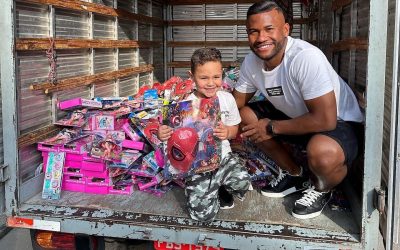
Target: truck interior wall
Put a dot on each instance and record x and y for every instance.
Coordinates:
(388, 116)
(2, 186)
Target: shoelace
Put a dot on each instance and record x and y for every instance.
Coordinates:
(278, 179)
(310, 195)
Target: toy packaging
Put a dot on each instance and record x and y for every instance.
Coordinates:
(192, 148)
(107, 145)
(79, 103)
(76, 118)
(64, 136)
(53, 176)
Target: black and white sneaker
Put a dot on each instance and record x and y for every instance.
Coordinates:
(311, 204)
(225, 199)
(284, 184)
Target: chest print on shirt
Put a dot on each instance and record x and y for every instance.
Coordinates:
(275, 91)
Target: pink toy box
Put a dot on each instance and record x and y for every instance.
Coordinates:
(79, 103)
(133, 144)
(125, 190)
(93, 164)
(96, 185)
(73, 182)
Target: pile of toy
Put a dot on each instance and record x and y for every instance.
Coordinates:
(108, 145)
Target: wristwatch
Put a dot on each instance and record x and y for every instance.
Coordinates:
(270, 128)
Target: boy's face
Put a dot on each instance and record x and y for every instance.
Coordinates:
(208, 78)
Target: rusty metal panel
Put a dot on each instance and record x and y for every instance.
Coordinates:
(158, 33)
(145, 56)
(128, 5)
(127, 58)
(128, 86)
(325, 27)
(127, 30)
(344, 64)
(188, 12)
(345, 22)
(32, 20)
(34, 111)
(108, 3)
(144, 8)
(181, 72)
(105, 89)
(241, 33)
(188, 33)
(182, 53)
(242, 10)
(145, 79)
(104, 60)
(158, 61)
(71, 24)
(363, 18)
(220, 11)
(220, 33)
(157, 9)
(30, 159)
(71, 63)
(103, 27)
(144, 32)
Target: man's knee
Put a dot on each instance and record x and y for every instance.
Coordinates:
(324, 153)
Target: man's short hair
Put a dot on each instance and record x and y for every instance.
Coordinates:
(264, 6)
(203, 55)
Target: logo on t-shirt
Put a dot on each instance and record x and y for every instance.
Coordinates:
(275, 91)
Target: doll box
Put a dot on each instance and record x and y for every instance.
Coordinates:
(79, 102)
(125, 190)
(73, 182)
(96, 185)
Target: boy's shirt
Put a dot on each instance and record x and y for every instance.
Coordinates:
(229, 115)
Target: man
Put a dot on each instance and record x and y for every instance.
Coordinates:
(307, 104)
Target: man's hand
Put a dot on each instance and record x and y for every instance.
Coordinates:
(257, 132)
(164, 132)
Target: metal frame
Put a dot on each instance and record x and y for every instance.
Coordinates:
(392, 224)
(257, 236)
(376, 69)
(9, 100)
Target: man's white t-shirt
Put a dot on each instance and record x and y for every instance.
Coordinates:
(304, 74)
(229, 115)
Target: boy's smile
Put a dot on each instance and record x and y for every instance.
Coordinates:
(208, 79)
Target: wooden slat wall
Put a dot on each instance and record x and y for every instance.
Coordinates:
(98, 46)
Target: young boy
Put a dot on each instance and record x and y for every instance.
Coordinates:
(207, 192)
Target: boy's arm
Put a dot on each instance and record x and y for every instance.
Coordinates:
(224, 132)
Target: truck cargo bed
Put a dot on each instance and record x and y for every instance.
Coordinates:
(256, 217)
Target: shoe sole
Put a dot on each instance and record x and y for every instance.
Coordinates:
(307, 216)
(226, 207)
(282, 194)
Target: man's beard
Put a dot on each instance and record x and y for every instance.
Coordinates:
(278, 46)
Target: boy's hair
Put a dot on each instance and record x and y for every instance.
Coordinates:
(203, 55)
(264, 6)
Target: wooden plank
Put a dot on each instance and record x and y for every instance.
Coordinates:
(208, 44)
(178, 64)
(73, 82)
(224, 22)
(44, 43)
(350, 43)
(337, 4)
(37, 135)
(99, 9)
(305, 20)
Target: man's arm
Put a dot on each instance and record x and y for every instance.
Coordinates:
(322, 116)
(241, 98)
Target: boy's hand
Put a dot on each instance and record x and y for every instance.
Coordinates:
(164, 132)
(221, 131)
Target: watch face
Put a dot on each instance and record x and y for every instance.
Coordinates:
(270, 128)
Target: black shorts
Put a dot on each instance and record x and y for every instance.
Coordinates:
(345, 132)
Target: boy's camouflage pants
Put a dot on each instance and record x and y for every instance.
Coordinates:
(202, 189)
